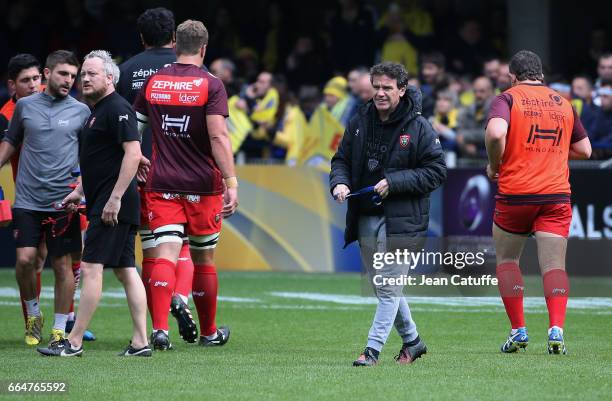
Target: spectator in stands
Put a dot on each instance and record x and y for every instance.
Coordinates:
(469, 50)
(353, 24)
(503, 77)
(304, 65)
(473, 120)
(444, 120)
(604, 73)
(433, 79)
(395, 44)
(224, 69)
(581, 93)
(336, 99)
(598, 122)
(490, 68)
(354, 79)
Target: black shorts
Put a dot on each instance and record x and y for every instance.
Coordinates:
(112, 246)
(61, 231)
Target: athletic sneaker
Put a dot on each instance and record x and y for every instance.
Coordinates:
(56, 335)
(556, 345)
(187, 326)
(160, 341)
(518, 338)
(369, 357)
(87, 336)
(33, 331)
(223, 334)
(410, 352)
(60, 348)
(131, 351)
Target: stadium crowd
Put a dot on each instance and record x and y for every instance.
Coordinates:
(292, 91)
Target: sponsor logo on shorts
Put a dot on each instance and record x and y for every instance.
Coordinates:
(193, 198)
(518, 288)
(169, 196)
(559, 291)
(197, 293)
(160, 284)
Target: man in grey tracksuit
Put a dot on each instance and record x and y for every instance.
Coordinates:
(388, 145)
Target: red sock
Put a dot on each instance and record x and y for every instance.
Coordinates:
(23, 305)
(76, 271)
(556, 291)
(147, 267)
(511, 289)
(184, 272)
(205, 297)
(162, 282)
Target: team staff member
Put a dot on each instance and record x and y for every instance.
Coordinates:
(109, 156)
(156, 27)
(390, 146)
(191, 162)
(24, 79)
(46, 125)
(531, 133)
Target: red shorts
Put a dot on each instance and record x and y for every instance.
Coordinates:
(200, 214)
(83, 221)
(525, 219)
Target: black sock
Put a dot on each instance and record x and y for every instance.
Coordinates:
(413, 342)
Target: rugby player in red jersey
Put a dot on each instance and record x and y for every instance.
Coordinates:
(191, 184)
(531, 133)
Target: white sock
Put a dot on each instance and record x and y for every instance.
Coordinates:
(60, 321)
(71, 317)
(165, 331)
(32, 307)
(555, 327)
(184, 299)
(212, 336)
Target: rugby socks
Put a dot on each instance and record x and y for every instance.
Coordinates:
(184, 273)
(161, 283)
(23, 301)
(60, 321)
(556, 292)
(147, 268)
(76, 271)
(32, 307)
(511, 288)
(204, 294)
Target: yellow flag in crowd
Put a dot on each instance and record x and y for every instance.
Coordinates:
(322, 138)
(291, 133)
(238, 124)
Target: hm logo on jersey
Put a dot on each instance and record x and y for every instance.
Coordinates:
(182, 123)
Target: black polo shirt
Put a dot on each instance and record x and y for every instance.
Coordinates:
(112, 122)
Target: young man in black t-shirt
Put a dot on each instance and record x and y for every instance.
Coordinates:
(109, 159)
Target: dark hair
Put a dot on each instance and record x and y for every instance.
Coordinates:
(19, 63)
(435, 58)
(392, 70)
(156, 25)
(61, 57)
(604, 55)
(526, 65)
(605, 82)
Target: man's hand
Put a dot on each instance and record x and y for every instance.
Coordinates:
(110, 212)
(143, 169)
(340, 192)
(492, 174)
(72, 200)
(230, 201)
(382, 188)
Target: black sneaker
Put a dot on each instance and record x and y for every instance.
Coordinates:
(160, 341)
(187, 326)
(60, 348)
(223, 334)
(131, 351)
(410, 352)
(369, 357)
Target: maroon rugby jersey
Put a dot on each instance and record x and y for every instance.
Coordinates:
(177, 100)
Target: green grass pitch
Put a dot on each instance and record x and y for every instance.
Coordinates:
(288, 344)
